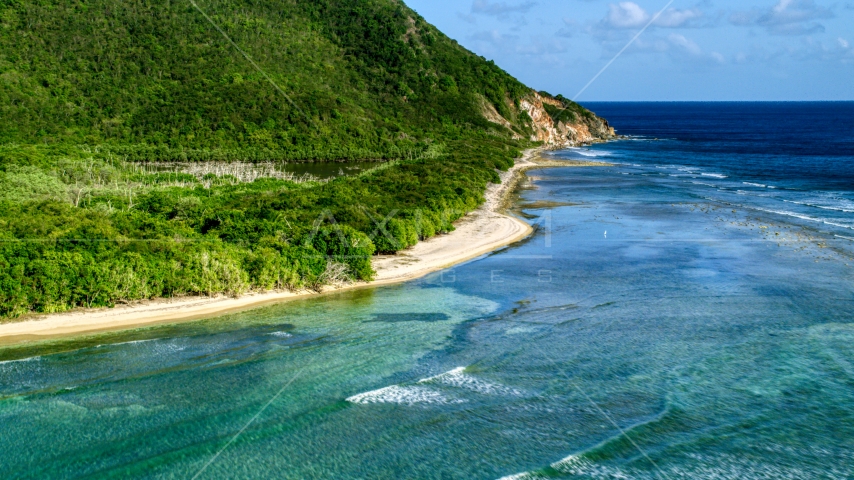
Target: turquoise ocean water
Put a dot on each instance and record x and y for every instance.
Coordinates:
(685, 313)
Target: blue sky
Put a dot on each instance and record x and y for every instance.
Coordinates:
(706, 50)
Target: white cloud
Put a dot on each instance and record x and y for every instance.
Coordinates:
(760, 54)
(625, 15)
(500, 9)
(807, 49)
(494, 37)
(630, 15)
(625, 18)
(682, 49)
(787, 17)
(506, 12)
(816, 50)
(537, 49)
(683, 44)
(679, 48)
(673, 18)
(542, 46)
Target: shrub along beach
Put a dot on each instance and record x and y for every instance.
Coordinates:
(100, 202)
(479, 232)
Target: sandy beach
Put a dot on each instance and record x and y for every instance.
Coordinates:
(479, 232)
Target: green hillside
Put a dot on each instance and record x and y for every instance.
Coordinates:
(156, 79)
(93, 91)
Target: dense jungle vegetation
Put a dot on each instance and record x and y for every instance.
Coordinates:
(92, 89)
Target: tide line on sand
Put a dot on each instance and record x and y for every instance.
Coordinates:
(478, 233)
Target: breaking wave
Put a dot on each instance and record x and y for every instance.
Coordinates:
(841, 206)
(402, 395)
(20, 360)
(591, 153)
(805, 217)
(438, 389)
(459, 379)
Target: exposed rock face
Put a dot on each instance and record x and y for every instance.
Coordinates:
(584, 130)
(559, 134)
(544, 128)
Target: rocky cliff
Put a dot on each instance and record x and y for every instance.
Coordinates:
(556, 121)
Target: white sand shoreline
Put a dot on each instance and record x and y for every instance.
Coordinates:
(478, 233)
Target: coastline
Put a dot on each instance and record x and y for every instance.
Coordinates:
(479, 232)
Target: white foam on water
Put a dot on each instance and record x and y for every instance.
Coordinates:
(714, 175)
(638, 138)
(20, 366)
(725, 467)
(518, 476)
(843, 236)
(754, 184)
(841, 225)
(454, 371)
(846, 207)
(158, 345)
(591, 153)
(788, 214)
(518, 330)
(169, 347)
(459, 379)
(21, 360)
(409, 395)
(422, 392)
(705, 184)
(131, 342)
(745, 192)
(280, 334)
(569, 462)
(805, 217)
(573, 464)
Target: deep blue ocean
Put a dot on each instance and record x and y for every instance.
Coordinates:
(797, 156)
(685, 312)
